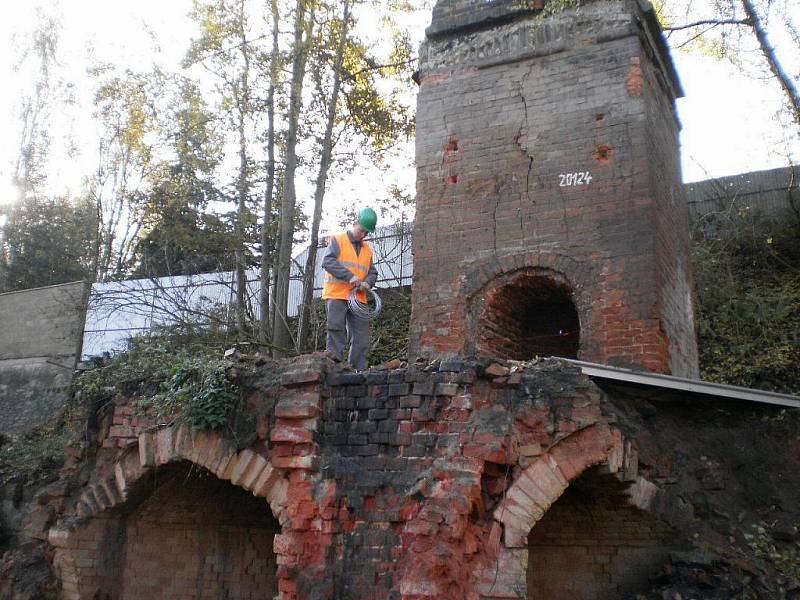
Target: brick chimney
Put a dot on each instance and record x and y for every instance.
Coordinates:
(550, 214)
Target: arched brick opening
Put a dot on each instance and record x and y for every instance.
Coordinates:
(534, 303)
(529, 314)
(189, 489)
(187, 533)
(592, 544)
(537, 487)
(609, 465)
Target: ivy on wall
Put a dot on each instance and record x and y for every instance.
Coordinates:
(173, 381)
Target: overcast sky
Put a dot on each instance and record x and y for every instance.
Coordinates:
(728, 119)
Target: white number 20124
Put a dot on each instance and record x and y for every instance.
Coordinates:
(572, 179)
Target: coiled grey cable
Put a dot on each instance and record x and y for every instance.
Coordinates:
(363, 311)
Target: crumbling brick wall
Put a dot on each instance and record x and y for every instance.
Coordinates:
(412, 483)
(548, 146)
(458, 479)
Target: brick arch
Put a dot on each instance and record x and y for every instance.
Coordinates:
(484, 271)
(246, 469)
(538, 487)
(78, 566)
(543, 482)
(581, 279)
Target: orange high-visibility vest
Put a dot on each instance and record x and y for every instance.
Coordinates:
(357, 264)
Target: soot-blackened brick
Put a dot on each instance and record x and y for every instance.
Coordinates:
(355, 391)
(398, 389)
(410, 402)
(377, 377)
(423, 388)
(366, 403)
(397, 376)
(376, 414)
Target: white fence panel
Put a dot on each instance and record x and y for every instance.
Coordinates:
(120, 310)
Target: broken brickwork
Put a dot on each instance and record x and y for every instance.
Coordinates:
(414, 483)
(548, 183)
(459, 479)
(595, 540)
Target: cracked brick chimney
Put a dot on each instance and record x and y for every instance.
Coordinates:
(550, 215)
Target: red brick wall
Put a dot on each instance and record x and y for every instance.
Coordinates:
(87, 559)
(199, 537)
(675, 279)
(415, 481)
(182, 534)
(507, 115)
(592, 545)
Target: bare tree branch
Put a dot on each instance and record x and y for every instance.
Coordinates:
(774, 65)
(381, 67)
(714, 22)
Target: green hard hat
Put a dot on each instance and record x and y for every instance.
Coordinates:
(368, 219)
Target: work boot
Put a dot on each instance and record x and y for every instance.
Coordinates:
(332, 356)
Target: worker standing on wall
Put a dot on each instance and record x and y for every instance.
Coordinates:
(348, 264)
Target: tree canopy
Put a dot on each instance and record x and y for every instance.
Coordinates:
(43, 242)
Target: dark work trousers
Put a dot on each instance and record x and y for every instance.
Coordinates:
(343, 327)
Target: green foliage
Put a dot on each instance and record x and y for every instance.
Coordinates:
(380, 118)
(747, 279)
(173, 381)
(159, 154)
(390, 329)
(178, 237)
(36, 457)
(552, 7)
(125, 107)
(45, 242)
(132, 372)
(197, 389)
(184, 241)
(783, 558)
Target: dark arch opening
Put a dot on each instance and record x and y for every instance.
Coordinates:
(530, 315)
(184, 533)
(593, 545)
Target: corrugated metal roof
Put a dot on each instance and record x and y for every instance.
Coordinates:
(692, 386)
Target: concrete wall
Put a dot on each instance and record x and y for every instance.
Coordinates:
(770, 194)
(40, 335)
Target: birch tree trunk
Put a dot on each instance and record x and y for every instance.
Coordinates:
(242, 101)
(319, 192)
(267, 250)
(768, 51)
(303, 27)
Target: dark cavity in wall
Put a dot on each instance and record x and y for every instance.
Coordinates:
(191, 534)
(593, 545)
(531, 315)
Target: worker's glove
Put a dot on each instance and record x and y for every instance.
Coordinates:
(364, 286)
